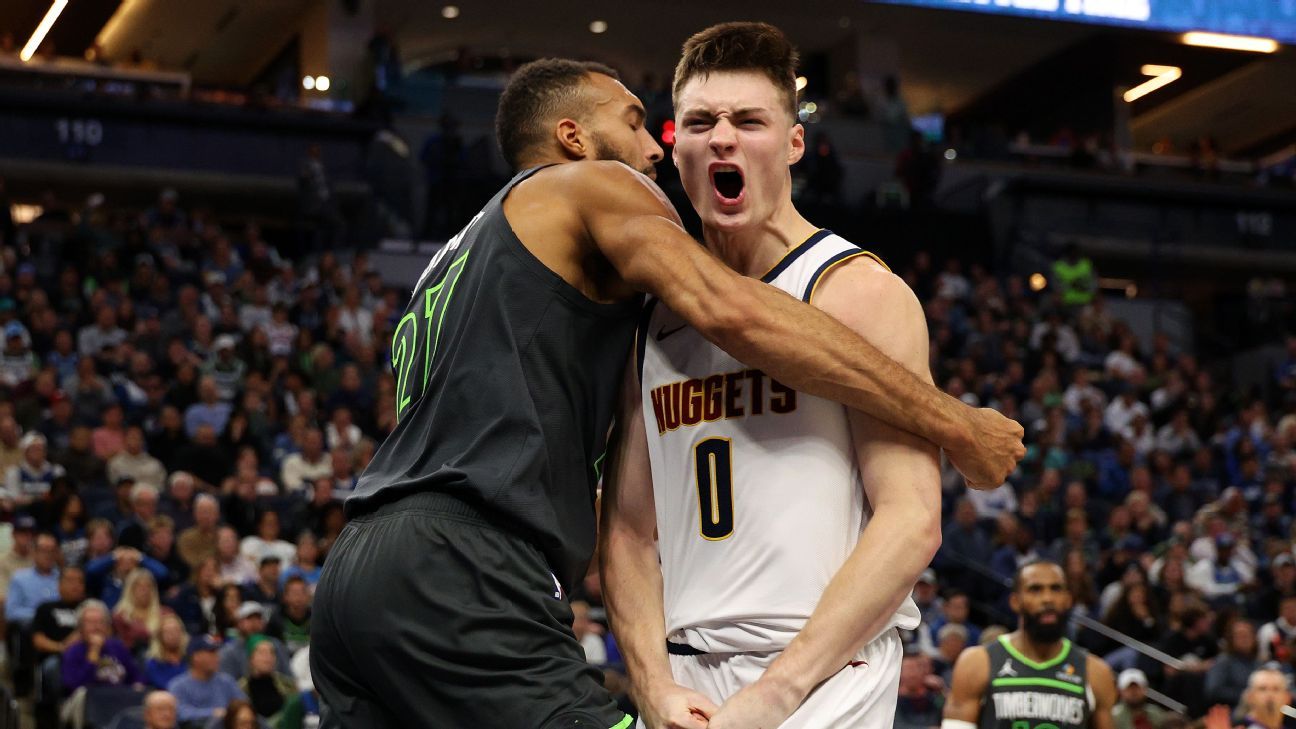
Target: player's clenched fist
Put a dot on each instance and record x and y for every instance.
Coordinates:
(993, 450)
(671, 706)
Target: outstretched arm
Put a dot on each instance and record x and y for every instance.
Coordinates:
(632, 578)
(638, 231)
(901, 478)
(967, 689)
(1104, 689)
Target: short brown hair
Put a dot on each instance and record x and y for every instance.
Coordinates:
(537, 93)
(756, 47)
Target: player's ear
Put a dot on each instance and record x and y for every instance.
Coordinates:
(570, 136)
(1014, 602)
(796, 146)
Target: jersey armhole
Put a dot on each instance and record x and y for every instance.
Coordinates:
(827, 267)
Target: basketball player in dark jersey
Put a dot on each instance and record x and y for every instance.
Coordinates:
(443, 602)
(1033, 677)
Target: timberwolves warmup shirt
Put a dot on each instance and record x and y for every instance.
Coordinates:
(1024, 694)
(506, 379)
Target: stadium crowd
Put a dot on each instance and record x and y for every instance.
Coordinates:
(183, 411)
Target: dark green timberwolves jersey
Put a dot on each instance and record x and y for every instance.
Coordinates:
(506, 381)
(1024, 694)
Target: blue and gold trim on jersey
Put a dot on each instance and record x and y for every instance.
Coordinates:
(791, 256)
(820, 273)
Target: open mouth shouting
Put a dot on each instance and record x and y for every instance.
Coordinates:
(727, 181)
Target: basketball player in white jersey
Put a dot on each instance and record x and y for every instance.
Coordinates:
(790, 530)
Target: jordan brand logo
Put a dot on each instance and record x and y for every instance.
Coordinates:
(1008, 669)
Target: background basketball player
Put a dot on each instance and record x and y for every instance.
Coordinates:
(1033, 677)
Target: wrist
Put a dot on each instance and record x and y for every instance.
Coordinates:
(785, 687)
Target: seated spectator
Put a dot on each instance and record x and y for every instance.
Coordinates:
(229, 598)
(1227, 678)
(197, 543)
(35, 585)
(138, 614)
(203, 692)
(161, 546)
(54, 628)
(195, 601)
(267, 689)
(234, 654)
(957, 610)
(306, 564)
(1273, 636)
(109, 438)
(267, 540)
(96, 660)
(951, 639)
(204, 457)
(265, 589)
(305, 467)
(238, 715)
(69, 527)
(118, 510)
(160, 711)
(32, 477)
(210, 411)
(1134, 711)
(165, 659)
(106, 576)
(921, 699)
(133, 532)
(234, 568)
(291, 622)
(1221, 577)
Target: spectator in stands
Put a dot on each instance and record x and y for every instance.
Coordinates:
(963, 543)
(305, 467)
(165, 658)
(178, 503)
(306, 564)
(92, 340)
(267, 689)
(957, 611)
(951, 639)
(204, 457)
(210, 410)
(10, 450)
(197, 543)
(1228, 675)
(1074, 277)
(1268, 693)
(1274, 636)
(265, 589)
(110, 437)
(267, 541)
(1076, 536)
(133, 530)
(161, 547)
(233, 567)
(160, 711)
(291, 620)
(107, 575)
(135, 462)
(927, 598)
(138, 614)
(229, 598)
(239, 714)
(30, 479)
(35, 585)
(251, 622)
(54, 630)
(226, 372)
(203, 692)
(96, 659)
(921, 697)
(195, 602)
(18, 364)
(1134, 711)
(1220, 578)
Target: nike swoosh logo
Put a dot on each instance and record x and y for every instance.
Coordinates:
(664, 332)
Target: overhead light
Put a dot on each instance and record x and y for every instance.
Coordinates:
(1161, 76)
(1230, 42)
(308, 83)
(450, 12)
(598, 26)
(801, 82)
(42, 30)
(322, 83)
(951, 154)
(1038, 282)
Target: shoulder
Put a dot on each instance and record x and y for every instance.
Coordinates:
(972, 669)
(1100, 674)
(862, 279)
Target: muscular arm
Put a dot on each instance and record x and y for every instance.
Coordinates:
(901, 478)
(968, 685)
(632, 578)
(1104, 689)
(636, 229)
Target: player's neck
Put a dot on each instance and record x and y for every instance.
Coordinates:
(754, 250)
(1037, 652)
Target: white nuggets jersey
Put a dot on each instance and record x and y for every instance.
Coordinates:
(758, 495)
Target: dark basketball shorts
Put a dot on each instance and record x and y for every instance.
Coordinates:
(426, 615)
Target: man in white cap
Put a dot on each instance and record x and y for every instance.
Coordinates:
(225, 368)
(251, 620)
(1134, 711)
